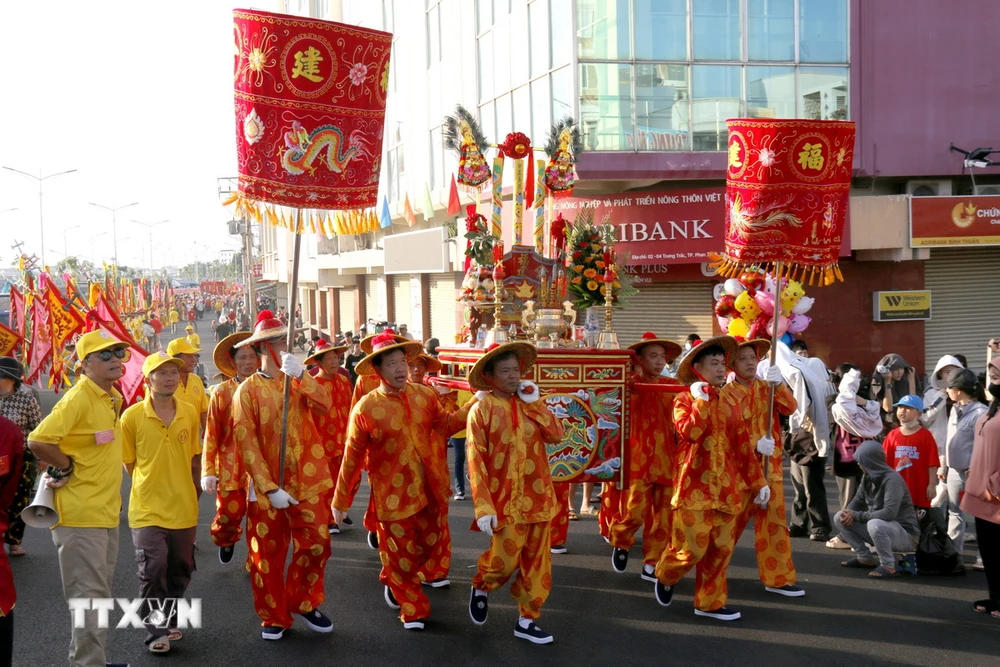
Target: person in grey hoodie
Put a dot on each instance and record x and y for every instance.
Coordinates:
(968, 397)
(881, 514)
(893, 379)
(935, 417)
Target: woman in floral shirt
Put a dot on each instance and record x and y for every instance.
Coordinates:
(18, 404)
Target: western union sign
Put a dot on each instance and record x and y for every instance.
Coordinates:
(902, 305)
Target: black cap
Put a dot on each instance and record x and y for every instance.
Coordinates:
(11, 368)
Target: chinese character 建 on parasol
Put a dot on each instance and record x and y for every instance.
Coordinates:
(310, 110)
(787, 192)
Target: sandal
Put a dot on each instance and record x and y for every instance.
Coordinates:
(588, 511)
(573, 516)
(858, 565)
(175, 635)
(159, 645)
(17, 550)
(883, 573)
(983, 606)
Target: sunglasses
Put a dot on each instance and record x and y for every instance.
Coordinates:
(122, 353)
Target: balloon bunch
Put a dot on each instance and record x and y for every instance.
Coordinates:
(745, 306)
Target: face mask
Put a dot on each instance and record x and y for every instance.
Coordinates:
(994, 390)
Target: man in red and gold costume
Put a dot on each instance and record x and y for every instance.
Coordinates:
(512, 489)
(291, 510)
(751, 402)
(222, 469)
(651, 463)
(332, 423)
(391, 429)
(709, 487)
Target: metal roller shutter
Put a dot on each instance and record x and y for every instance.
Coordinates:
(401, 299)
(670, 310)
(444, 307)
(962, 319)
(371, 298)
(347, 309)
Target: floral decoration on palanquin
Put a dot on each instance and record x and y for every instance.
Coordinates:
(585, 249)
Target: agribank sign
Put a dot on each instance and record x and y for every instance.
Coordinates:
(658, 227)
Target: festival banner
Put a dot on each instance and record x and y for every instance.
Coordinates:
(8, 341)
(64, 320)
(947, 222)
(310, 104)
(16, 319)
(40, 346)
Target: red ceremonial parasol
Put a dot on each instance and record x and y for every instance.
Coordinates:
(787, 192)
(310, 109)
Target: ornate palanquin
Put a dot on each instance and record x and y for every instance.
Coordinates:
(589, 390)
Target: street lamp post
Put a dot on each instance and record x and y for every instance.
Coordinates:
(41, 219)
(149, 226)
(114, 225)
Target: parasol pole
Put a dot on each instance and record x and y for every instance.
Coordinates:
(292, 294)
(773, 354)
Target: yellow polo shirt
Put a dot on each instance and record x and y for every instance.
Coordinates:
(163, 492)
(84, 416)
(193, 392)
(174, 317)
(194, 339)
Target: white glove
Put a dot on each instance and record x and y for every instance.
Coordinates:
(291, 366)
(280, 499)
(442, 390)
(773, 374)
(763, 496)
(528, 391)
(700, 390)
(487, 523)
(765, 446)
(338, 516)
(209, 483)
(481, 394)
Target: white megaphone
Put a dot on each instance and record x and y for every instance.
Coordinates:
(41, 512)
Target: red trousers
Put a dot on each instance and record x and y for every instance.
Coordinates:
(612, 506)
(647, 507)
(560, 522)
(702, 540)
(230, 508)
(772, 543)
(277, 594)
(412, 550)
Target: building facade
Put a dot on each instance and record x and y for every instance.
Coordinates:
(652, 83)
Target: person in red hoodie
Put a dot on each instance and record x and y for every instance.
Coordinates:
(11, 453)
(911, 450)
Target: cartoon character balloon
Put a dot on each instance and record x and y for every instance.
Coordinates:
(745, 306)
(749, 310)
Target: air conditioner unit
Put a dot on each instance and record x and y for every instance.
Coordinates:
(988, 189)
(941, 188)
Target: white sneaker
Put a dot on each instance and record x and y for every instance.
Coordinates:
(837, 543)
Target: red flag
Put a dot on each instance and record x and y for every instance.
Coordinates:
(105, 313)
(64, 321)
(130, 383)
(40, 349)
(454, 205)
(8, 341)
(408, 213)
(16, 318)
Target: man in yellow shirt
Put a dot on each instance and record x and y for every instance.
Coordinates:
(81, 442)
(193, 339)
(175, 317)
(191, 389)
(162, 452)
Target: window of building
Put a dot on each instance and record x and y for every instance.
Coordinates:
(538, 29)
(486, 82)
(541, 110)
(562, 93)
(561, 29)
(696, 63)
(433, 36)
(521, 107)
(484, 15)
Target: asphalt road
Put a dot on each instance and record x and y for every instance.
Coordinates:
(596, 615)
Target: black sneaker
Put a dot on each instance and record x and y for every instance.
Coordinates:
(797, 531)
(648, 572)
(272, 632)
(479, 607)
(664, 594)
(348, 521)
(532, 633)
(117, 664)
(787, 590)
(460, 495)
(390, 599)
(821, 536)
(619, 560)
(414, 625)
(334, 529)
(720, 614)
(226, 554)
(443, 582)
(317, 621)
(372, 540)
(558, 548)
